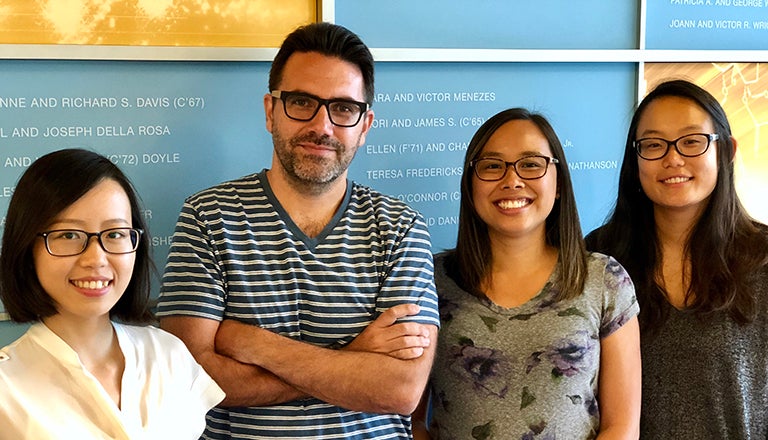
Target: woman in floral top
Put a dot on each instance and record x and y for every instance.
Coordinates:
(539, 338)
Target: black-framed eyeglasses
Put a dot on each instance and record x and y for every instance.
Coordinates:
(491, 169)
(69, 242)
(690, 145)
(303, 107)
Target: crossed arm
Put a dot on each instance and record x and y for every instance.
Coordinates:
(383, 370)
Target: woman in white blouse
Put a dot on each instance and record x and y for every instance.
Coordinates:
(75, 263)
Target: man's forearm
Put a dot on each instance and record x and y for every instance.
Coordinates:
(361, 381)
(246, 384)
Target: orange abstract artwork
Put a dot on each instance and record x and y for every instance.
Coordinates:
(208, 23)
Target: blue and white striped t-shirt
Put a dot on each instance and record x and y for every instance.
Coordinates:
(237, 255)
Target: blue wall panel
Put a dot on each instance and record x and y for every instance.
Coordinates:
(493, 24)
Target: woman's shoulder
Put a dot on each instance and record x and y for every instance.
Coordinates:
(150, 337)
(600, 260)
(446, 275)
(13, 354)
(442, 255)
(607, 274)
(32, 356)
(442, 262)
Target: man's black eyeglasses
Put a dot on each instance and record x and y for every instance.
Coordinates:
(303, 107)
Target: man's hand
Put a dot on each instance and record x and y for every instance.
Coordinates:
(403, 341)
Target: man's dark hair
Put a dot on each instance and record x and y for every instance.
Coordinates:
(327, 39)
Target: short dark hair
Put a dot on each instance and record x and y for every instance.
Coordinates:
(725, 246)
(51, 184)
(327, 39)
(470, 260)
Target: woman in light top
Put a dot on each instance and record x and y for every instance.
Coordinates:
(700, 266)
(75, 263)
(539, 338)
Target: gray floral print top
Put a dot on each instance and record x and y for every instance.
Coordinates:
(528, 372)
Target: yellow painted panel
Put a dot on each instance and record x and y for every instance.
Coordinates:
(203, 23)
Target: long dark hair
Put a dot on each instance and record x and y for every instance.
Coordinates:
(51, 184)
(470, 261)
(725, 246)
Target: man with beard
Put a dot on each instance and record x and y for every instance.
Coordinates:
(307, 297)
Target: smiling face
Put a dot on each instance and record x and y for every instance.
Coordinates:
(87, 286)
(316, 152)
(514, 207)
(675, 182)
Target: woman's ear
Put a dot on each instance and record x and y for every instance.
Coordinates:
(733, 141)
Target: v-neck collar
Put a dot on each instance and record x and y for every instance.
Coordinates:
(129, 400)
(310, 242)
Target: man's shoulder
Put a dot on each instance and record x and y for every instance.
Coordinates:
(364, 197)
(229, 188)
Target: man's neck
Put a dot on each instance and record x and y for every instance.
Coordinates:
(310, 206)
